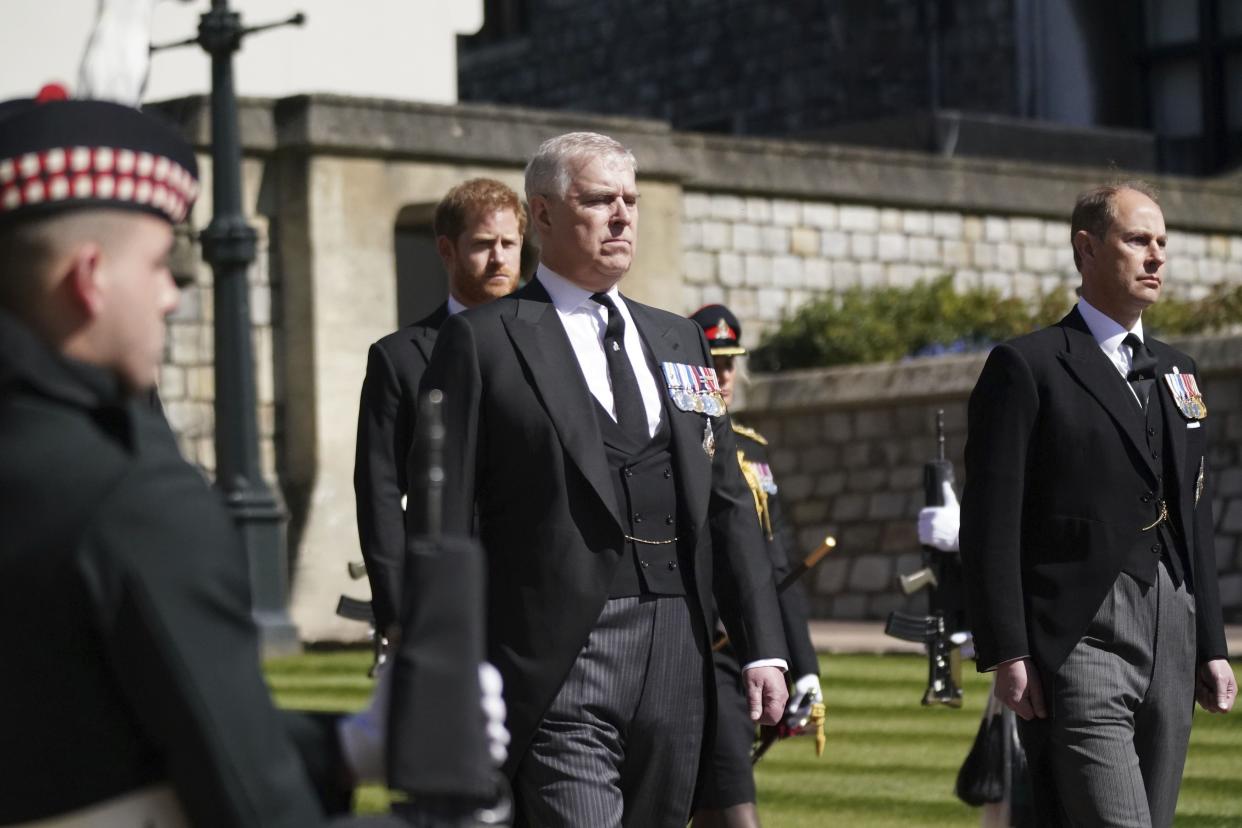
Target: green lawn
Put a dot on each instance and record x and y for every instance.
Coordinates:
(889, 762)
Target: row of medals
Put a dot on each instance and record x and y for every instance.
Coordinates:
(710, 403)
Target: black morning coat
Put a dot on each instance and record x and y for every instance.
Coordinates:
(523, 447)
(129, 651)
(387, 413)
(1058, 490)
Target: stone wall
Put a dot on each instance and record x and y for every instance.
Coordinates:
(764, 257)
(849, 445)
(187, 376)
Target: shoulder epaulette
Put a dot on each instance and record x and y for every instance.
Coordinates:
(751, 433)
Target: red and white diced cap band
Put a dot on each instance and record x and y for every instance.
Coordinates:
(97, 174)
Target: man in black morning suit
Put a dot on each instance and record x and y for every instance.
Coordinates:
(479, 226)
(1087, 535)
(608, 513)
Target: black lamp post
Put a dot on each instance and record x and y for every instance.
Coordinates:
(229, 247)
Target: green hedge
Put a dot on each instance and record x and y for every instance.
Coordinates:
(931, 317)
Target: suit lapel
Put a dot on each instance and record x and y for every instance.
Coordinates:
(694, 472)
(1087, 363)
(423, 332)
(541, 343)
(424, 340)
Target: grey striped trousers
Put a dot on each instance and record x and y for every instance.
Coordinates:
(1114, 747)
(620, 743)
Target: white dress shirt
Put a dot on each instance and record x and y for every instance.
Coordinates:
(454, 307)
(1109, 334)
(584, 321)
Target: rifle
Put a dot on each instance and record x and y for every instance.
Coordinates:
(440, 772)
(942, 630)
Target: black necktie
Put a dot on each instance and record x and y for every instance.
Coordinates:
(1142, 368)
(631, 413)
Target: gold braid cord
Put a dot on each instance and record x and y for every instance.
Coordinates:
(819, 712)
(756, 489)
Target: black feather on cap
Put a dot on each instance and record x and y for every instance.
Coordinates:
(63, 155)
(721, 328)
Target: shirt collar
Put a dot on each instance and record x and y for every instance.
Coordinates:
(565, 295)
(454, 307)
(1106, 330)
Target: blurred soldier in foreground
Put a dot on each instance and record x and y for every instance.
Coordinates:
(132, 687)
(1087, 534)
(479, 227)
(726, 796)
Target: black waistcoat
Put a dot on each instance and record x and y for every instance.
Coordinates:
(1163, 542)
(644, 483)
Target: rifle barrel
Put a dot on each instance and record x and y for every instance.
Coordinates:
(940, 435)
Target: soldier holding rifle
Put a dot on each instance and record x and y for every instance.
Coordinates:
(726, 796)
(993, 771)
(943, 629)
(133, 693)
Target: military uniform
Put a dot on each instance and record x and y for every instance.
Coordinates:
(131, 660)
(131, 657)
(727, 778)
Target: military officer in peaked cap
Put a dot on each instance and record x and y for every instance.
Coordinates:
(132, 691)
(726, 796)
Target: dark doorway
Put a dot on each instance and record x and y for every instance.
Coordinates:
(422, 285)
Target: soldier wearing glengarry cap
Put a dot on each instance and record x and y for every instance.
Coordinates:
(132, 692)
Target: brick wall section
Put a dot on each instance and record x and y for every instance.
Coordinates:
(765, 257)
(187, 375)
(745, 66)
(849, 445)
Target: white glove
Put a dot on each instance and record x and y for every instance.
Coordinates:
(806, 692)
(362, 734)
(492, 687)
(939, 525)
